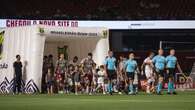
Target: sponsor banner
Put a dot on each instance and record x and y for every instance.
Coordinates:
(74, 32)
(157, 24)
(182, 83)
(59, 23)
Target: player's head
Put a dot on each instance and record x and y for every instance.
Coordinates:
(131, 56)
(151, 54)
(121, 57)
(61, 56)
(90, 55)
(101, 67)
(50, 56)
(110, 53)
(75, 59)
(172, 52)
(70, 67)
(18, 57)
(44, 58)
(160, 52)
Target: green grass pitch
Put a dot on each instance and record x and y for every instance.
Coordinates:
(182, 101)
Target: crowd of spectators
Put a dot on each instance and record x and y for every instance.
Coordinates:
(99, 9)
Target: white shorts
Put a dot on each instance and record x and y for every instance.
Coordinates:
(100, 80)
(148, 73)
(70, 82)
(151, 80)
(77, 83)
(101, 84)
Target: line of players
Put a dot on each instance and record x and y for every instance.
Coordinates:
(84, 77)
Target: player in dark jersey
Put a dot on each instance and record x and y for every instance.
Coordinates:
(18, 75)
(87, 66)
(61, 69)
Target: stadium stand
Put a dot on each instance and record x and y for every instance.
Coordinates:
(99, 9)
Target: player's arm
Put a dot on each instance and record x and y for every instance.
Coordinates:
(115, 66)
(56, 66)
(105, 67)
(71, 72)
(118, 68)
(126, 79)
(46, 79)
(80, 72)
(14, 65)
(166, 68)
(137, 69)
(82, 66)
(66, 69)
(142, 66)
(153, 64)
(153, 67)
(66, 65)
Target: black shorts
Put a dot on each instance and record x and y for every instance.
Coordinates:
(111, 74)
(50, 83)
(77, 77)
(171, 73)
(130, 75)
(89, 78)
(160, 73)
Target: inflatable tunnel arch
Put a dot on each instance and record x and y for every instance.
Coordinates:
(30, 42)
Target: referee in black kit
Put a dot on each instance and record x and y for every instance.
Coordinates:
(17, 75)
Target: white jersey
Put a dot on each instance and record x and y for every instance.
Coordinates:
(148, 67)
(101, 77)
(121, 65)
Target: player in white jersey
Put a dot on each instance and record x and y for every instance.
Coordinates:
(147, 68)
(101, 75)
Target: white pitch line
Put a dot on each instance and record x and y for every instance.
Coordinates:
(149, 101)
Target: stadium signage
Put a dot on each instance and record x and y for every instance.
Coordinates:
(73, 32)
(69, 33)
(60, 23)
(161, 24)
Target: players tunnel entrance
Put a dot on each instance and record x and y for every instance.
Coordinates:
(73, 42)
